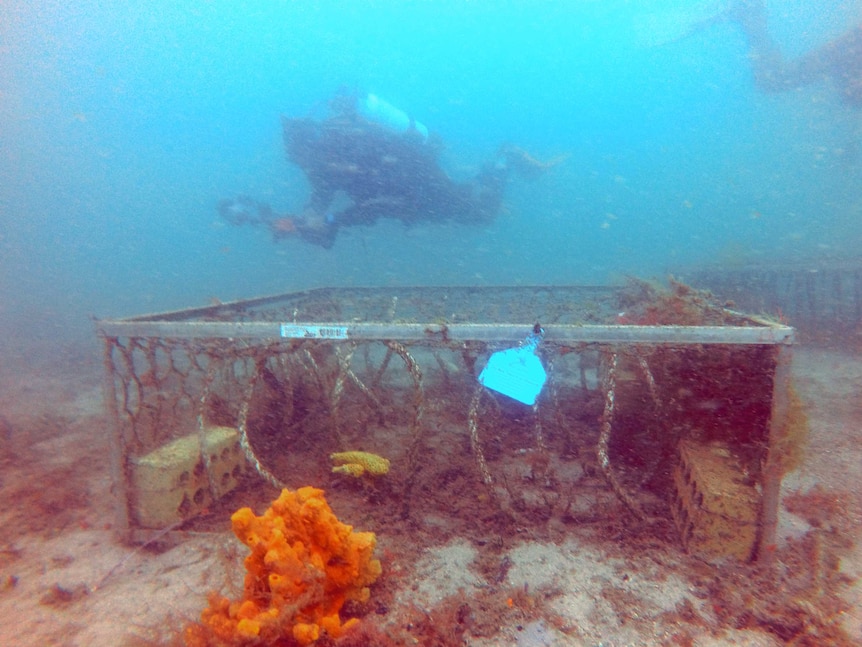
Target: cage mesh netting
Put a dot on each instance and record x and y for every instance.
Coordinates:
(655, 401)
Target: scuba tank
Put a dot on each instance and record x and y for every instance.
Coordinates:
(374, 109)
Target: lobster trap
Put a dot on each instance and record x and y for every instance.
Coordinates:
(688, 423)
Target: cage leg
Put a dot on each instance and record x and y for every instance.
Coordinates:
(119, 446)
(768, 521)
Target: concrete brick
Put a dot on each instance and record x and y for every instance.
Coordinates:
(715, 511)
(170, 483)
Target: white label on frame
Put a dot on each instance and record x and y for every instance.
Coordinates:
(294, 331)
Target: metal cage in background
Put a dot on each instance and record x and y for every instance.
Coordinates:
(695, 416)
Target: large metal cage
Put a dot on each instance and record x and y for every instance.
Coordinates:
(685, 422)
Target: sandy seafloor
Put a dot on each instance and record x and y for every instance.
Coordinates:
(65, 580)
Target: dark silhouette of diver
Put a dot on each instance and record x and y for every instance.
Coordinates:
(839, 60)
(369, 160)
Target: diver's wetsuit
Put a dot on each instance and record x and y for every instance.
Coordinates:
(383, 166)
(385, 174)
(839, 60)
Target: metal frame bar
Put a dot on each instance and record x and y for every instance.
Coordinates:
(564, 333)
(191, 323)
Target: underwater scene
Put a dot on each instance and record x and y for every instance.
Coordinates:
(431, 323)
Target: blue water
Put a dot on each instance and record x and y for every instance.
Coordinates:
(122, 127)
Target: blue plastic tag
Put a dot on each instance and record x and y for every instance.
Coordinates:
(516, 372)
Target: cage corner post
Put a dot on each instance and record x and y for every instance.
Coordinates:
(772, 468)
(119, 483)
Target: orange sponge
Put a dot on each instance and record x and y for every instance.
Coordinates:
(304, 565)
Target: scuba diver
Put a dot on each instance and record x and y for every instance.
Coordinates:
(839, 60)
(369, 160)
